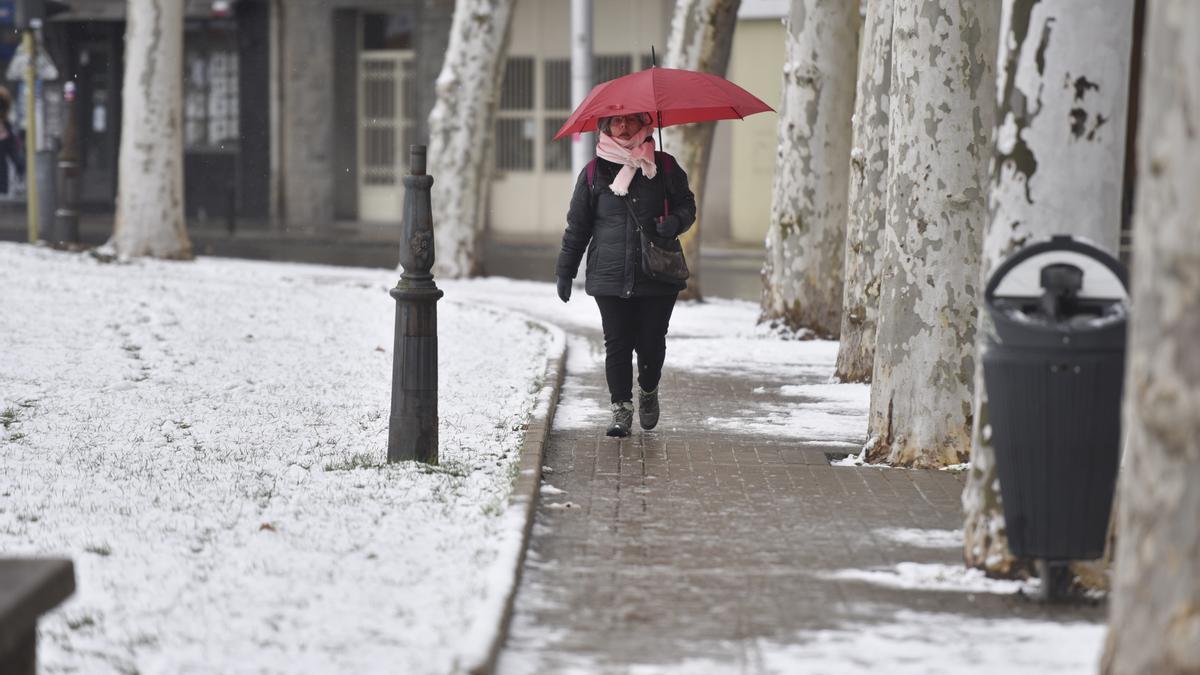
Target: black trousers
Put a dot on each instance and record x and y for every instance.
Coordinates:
(634, 324)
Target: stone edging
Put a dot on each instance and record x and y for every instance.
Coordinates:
(483, 645)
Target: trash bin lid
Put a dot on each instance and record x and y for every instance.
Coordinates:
(1059, 291)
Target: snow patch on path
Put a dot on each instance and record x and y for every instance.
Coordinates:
(925, 643)
(934, 577)
(920, 538)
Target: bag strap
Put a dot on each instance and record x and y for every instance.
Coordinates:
(637, 224)
(633, 215)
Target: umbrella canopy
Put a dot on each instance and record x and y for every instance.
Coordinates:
(677, 96)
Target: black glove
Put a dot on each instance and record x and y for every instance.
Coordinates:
(564, 289)
(667, 226)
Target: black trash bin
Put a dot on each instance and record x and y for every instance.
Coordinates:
(1053, 369)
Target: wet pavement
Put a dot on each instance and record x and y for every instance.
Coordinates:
(702, 548)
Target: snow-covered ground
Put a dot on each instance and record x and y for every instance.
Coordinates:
(207, 442)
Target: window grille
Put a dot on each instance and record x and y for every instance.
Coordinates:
(517, 90)
(515, 138)
(558, 84)
(514, 144)
(524, 131)
(410, 94)
(379, 122)
(611, 66)
(211, 88)
(558, 153)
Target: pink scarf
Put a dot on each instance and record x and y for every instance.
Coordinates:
(633, 154)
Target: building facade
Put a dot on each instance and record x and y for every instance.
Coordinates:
(298, 113)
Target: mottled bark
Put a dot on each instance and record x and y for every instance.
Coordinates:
(802, 276)
(1154, 622)
(1061, 62)
(701, 38)
(460, 131)
(149, 216)
(942, 112)
(867, 197)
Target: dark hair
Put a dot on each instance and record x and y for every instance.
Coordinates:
(604, 123)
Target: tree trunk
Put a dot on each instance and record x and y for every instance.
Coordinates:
(867, 197)
(1154, 618)
(802, 276)
(701, 39)
(1058, 168)
(149, 217)
(943, 64)
(461, 134)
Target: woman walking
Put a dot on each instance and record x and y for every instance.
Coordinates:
(626, 187)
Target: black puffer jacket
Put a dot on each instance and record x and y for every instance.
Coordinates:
(600, 221)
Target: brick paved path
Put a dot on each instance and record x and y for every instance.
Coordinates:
(689, 549)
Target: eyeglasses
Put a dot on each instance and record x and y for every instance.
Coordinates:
(628, 120)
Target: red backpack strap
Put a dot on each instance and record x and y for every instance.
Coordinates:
(591, 173)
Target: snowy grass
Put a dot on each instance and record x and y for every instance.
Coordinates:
(207, 442)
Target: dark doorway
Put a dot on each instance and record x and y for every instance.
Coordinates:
(211, 122)
(97, 61)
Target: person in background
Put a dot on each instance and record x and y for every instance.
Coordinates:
(623, 188)
(11, 149)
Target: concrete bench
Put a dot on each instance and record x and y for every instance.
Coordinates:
(29, 587)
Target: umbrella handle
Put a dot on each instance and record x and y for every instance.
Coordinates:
(660, 147)
(660, 142)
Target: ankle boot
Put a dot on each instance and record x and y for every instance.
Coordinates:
(622, 419)
(648, 408)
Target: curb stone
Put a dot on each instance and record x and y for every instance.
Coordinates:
(484, 643)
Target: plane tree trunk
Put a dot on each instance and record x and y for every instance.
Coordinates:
(461, 131)
(149, 216)
(802, 276)
(867, 198)
(1154, 617)
(943, 69)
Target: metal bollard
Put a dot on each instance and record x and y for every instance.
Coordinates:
(413, 425)
(46, 167)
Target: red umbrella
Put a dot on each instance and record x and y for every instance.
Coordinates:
(677, 96)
